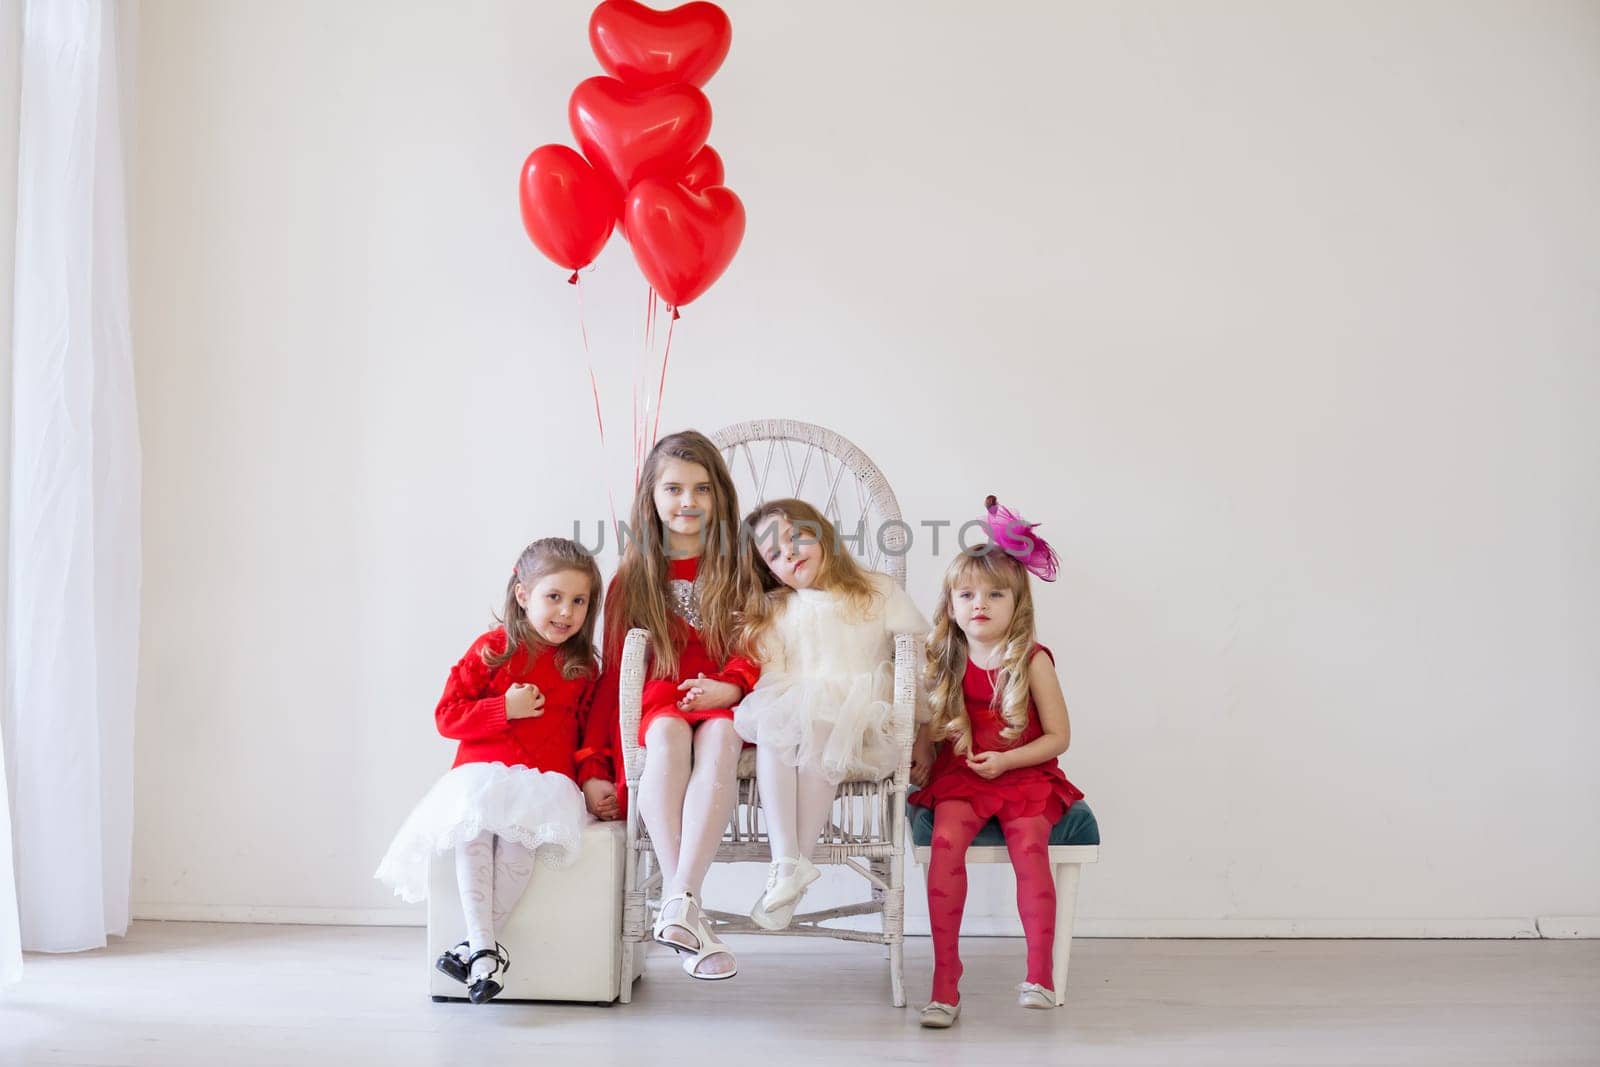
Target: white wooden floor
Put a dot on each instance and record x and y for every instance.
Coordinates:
(186, 993)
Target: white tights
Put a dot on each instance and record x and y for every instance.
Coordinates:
(686, 797)
(492, 873)
(795, 802)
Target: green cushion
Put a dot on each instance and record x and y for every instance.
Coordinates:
(1077, 827)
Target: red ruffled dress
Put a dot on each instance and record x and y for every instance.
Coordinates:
(1038, 790)
(513, 777)
(601, 755)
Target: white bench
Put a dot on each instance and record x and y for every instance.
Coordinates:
(565, 935)
(1065, 861)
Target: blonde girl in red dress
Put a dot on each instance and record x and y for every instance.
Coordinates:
(1000, 722)
(516, 703)
(679, 579)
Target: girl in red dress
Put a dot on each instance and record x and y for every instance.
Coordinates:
(516, 702)
(1000, 722)
(679, 579)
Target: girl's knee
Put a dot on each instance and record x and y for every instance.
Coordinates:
(719, 733)
(668, 732)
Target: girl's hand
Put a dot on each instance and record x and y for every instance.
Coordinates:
(524, 702)
(921, 760)
(600, 797)
(989, 765)
(703, 694)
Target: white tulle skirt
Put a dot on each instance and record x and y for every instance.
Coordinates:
(540, 810)
(840, 725)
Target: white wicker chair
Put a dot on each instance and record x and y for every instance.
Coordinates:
(868, 827)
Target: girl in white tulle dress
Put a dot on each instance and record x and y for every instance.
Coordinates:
(824, 628)
(516, 703)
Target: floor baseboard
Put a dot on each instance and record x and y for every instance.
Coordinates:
(989, 926)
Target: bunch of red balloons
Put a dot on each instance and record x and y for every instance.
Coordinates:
(646, 169)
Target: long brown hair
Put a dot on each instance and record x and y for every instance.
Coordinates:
(547, 556)
(840, 572)
(947, 653)
(638, 595)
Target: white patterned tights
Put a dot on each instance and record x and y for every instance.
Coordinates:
(492, 873)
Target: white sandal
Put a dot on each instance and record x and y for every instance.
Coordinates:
(1034, 995)
(709, 946)
(684, 919)
(939, 1016)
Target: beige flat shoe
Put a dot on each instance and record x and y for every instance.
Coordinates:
(937, 1016)
(782, 891)
(772, 920)
(1034, 995)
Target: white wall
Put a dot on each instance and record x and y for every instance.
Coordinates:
(1281, 317)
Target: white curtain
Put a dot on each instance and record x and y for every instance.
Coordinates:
(10, 113)
(72, 597)
(10, 929)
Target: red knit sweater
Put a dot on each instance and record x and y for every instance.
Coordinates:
(473, 709)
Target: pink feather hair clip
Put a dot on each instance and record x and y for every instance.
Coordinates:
(1016, 537)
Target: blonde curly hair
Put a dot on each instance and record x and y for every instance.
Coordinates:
(947, 653)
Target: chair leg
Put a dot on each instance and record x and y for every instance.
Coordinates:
(880, 868)
(894, 928)
(1066, 907)
(634, 914)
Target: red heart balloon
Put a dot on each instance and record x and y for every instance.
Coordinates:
(568, 207)
(683, 240)
(648, 48)
(704, 171)
(633, 134)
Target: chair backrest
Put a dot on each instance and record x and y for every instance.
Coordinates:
(774, 458)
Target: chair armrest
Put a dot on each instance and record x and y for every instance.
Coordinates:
(907, 670)
(630, 695)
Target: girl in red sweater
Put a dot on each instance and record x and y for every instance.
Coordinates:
(679, 579)
(516, 703)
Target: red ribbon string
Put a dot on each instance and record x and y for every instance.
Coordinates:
(594, 387)
(641, 370)
(662, 387)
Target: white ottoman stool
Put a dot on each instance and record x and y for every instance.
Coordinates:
(565, 935)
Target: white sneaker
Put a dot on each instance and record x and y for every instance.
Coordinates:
(783, 891)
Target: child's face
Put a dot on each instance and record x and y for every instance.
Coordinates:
(792, 554)
(683, 497)
(557, 604)
(982, 607)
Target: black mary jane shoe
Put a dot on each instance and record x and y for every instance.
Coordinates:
(451, 962)
(486, 988)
